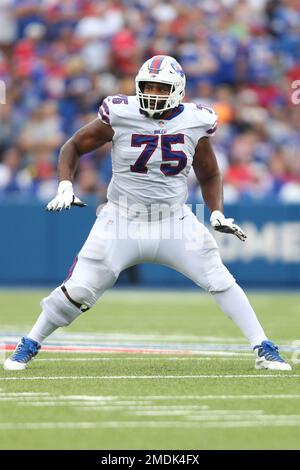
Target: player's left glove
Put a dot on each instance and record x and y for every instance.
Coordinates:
(221, 224)
(64, 198)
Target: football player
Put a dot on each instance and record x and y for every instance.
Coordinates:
(156, 139)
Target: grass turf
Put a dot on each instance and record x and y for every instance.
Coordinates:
(143, 401)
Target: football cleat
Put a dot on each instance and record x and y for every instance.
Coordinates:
(268, 357)
(25, 351)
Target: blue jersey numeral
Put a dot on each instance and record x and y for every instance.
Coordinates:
(120, 99)
(169, 156)
(150, 142)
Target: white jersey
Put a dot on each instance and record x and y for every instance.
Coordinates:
(151, 158)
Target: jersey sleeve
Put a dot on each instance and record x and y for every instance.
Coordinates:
(212, 128)
(104, 112)
(208, 119)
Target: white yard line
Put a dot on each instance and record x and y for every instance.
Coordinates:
(130, 402)
(251, 424)
(203, 415)
(109, 359)
(127, 336)
(154, 377)
(130, 350)
(206, 397)
(127, 399)
(291, 421)
(152, 336)
(23, 394)
(148, 352)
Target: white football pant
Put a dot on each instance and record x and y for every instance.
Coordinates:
(117, 242)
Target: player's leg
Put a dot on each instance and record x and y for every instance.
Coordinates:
(64, 304)
(97, 267)
(236, 305)
(196, 255)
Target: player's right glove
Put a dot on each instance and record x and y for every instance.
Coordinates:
(64, 198)
(221, 224)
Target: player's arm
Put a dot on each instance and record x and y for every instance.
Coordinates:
(208, 174)
(85, 140)
(210, 179)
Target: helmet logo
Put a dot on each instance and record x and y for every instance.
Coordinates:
(156, 64)
(177, 68)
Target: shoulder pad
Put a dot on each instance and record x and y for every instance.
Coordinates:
(207, 117)
(104, 113)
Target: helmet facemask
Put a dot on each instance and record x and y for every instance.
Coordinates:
(153, 104)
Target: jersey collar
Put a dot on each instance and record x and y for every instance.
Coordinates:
(171, 114)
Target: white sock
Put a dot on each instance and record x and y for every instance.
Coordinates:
(42, 329)
(236, 306)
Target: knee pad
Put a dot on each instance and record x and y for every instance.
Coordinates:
(62, 309)
(220, 280)
(216, 276)
(80, 294)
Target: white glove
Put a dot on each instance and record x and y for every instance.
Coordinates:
(64, 198)
(219, 223)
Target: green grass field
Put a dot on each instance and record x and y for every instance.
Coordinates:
(169, 371)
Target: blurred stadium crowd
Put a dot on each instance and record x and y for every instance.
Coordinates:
(60, 58)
